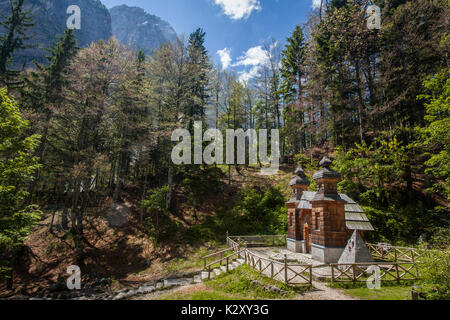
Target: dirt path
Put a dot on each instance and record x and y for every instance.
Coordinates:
(323, 292)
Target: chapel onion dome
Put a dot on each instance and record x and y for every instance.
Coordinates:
(301, 179)
(326, 172)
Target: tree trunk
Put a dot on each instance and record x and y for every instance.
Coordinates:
(170, 183)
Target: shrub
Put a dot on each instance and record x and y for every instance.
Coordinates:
(434, 273)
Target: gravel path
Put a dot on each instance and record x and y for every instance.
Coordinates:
(323, 292)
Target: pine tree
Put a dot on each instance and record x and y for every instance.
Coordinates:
(42, 92)
(292, 88)
(16, 26)
(200, 69)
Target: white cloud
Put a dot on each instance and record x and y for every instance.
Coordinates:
(225, 57)
(255, 56)
(316, 4)
(245, 76)
(239, 9)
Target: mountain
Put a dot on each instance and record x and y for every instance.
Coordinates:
(134, 27)
(50, 18)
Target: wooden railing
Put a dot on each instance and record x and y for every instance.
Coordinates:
(359, 272)
(217, 256)
(261, 241)
(223, 261)
(391, 253)
(281, 271)
(401, 267)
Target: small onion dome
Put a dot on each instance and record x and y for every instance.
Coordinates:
(300, 178)
(299, 171)
(325, 162)
(326, 172)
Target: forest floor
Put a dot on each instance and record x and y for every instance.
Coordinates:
(126, 256)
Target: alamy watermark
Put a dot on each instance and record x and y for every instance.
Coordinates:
(374, 281)
(74, 21)
(74, 281)
(255, 141)
(374, 19)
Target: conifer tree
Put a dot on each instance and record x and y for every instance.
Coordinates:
(42, 92)
(14, 37)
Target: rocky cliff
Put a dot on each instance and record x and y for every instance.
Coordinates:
(50, 18)
(134, 27)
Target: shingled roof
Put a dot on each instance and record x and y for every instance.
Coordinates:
(355, 218)
(300, 179)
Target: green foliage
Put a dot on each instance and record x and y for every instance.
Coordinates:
(377, 177)
(17, 165)
(378, 165)
(240, 284)
(306, 162)
(434, 272)
(440, 238)
(156, 202)
(159, 226)
(262, 211)
(436, 135)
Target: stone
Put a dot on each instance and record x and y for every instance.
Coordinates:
(118, 215)
(120, 296)
(356, 251)
(146, 289)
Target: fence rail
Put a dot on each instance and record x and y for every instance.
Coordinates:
(359, 272)
(223, 261)
(281, 271)
(261, 241)
(391, 253)
(401, 265)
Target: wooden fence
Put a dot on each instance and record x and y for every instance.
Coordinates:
(401, 267)
(282, 271)
(218, 256)
(360, 272)
(297, 274)
(223, 261)
(396, 254)
(260, 241)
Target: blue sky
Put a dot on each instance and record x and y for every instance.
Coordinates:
(235, 29)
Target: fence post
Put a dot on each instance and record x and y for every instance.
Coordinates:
(310, 275)
(271, 269)
(260, 265)
(209, 273)
(397, 273)
(332, 273)
(354, 272)
(395, 254)
(285, 269)
(228, 260)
